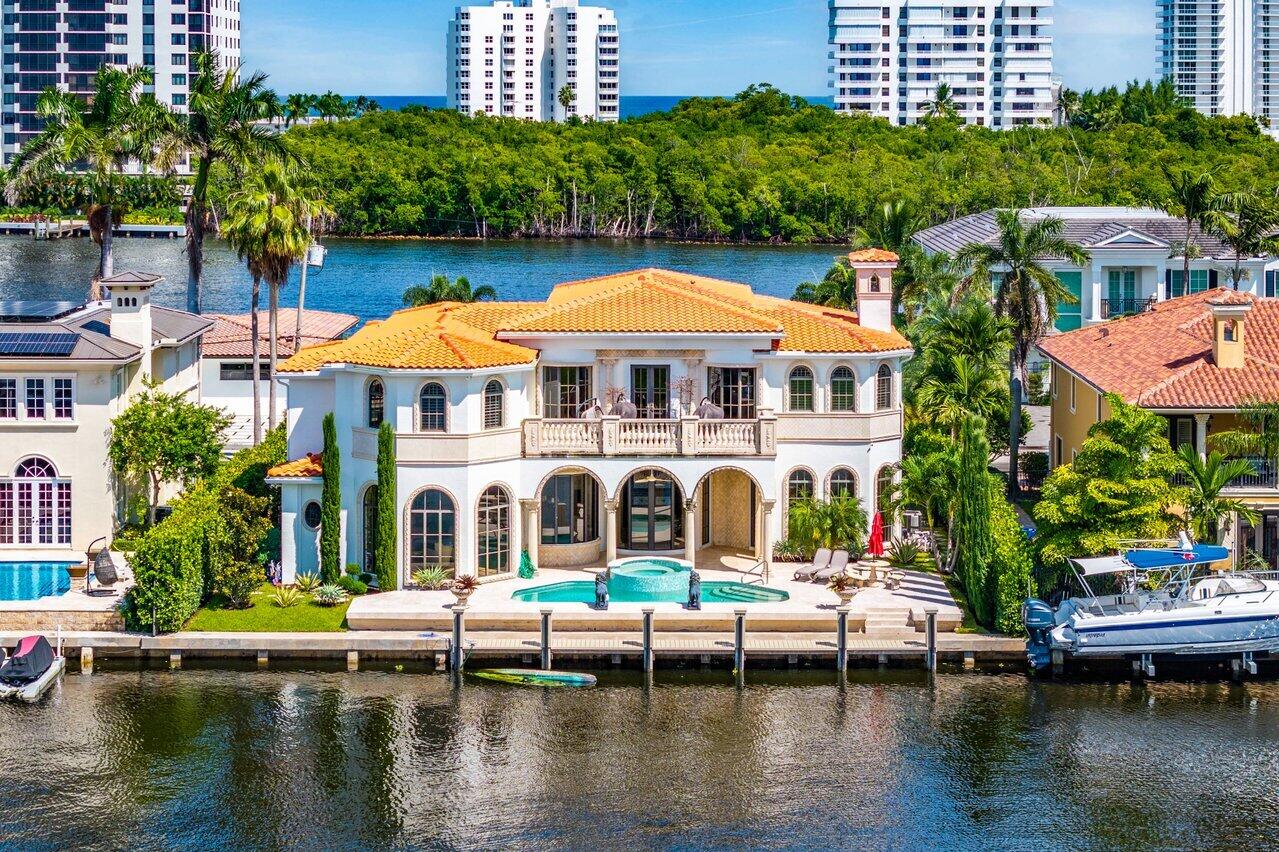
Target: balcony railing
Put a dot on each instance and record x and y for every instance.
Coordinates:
(1111, 308)
(687, 436)
(1265, 475)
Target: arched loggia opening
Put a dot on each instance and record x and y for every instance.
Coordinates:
(651, 505)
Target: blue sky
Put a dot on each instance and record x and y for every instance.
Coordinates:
(669, 47)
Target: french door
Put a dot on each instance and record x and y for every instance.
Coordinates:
(650, 391)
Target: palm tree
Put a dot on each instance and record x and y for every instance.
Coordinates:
(332, 105)
(441, 289)
(924, 278)
(1028, 294)
(837, 289)
(267, 223)
(1259, 436)
(837, 523)
(566, 97)
(942, 104)
(929, 483)
(1206, 478)
(890, 226)
(1248, 226)
(1192, 197)
(297, 107)
(104, 133)
(967, 386)
(1067, 105)
(220, 126)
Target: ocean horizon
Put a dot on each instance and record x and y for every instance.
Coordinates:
(630, 106)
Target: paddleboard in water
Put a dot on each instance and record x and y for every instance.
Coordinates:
(536, 677)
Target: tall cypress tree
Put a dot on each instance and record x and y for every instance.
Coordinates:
(974, 539)
(331, 505)
(384, 546)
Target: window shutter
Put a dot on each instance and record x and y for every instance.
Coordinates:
(1167, 283)
(1212, 279)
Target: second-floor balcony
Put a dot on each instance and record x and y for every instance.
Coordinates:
(1111, 308)
(687, 436)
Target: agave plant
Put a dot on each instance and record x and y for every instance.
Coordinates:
(330, 595)
(903, 554)
(465, 584)
(287, 596)
(432, 577)
(308, 582)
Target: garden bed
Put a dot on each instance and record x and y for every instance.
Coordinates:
(265, 617)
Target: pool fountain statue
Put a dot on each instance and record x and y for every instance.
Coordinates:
(694, 590)
(601, 590)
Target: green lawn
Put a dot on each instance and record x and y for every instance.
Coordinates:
(265, 617)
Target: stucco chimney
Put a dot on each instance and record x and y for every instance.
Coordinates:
(1229, 311)
(130, 297)
(874, 269)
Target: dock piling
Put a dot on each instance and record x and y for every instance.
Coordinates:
(739, 641)
(86, 660)
(457, 656)
(648, 638)
(352, 661)
(930, 631)
(841, 639)
(175, 660)
(263, 659)
(546, 639)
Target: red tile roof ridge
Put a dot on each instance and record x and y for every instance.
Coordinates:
(1226, 296)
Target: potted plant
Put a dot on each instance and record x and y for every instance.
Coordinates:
(463, 587)
(843, 585)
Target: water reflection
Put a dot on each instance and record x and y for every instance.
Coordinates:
(252, 759)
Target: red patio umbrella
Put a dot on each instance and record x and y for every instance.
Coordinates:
(875, 547)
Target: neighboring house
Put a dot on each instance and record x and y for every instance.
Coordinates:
(1196, 360)
(65, 371)
(1136, 259)
(226, 364)
(500, 447)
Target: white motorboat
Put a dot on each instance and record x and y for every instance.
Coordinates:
(31, 670)
(1171, 603)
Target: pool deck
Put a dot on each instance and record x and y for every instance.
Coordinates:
(873, 611)
(75, 610)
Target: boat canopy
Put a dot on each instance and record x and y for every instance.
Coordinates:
(1103, 565)
(1146, 559)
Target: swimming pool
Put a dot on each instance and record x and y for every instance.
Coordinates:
(26, 581)
(713, 591)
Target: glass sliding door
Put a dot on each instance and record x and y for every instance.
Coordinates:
(1122, 292)
(650, 391)
(733, 389)
(652, 512)
(565, 391)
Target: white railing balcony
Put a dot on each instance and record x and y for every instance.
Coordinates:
(686, 436)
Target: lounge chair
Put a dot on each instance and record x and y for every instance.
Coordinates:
(821, 559)
(105, 573)
(838, 565)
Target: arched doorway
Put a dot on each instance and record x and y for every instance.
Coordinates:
(652, 512)
(368, 521)
(432, 531)
(35, 505)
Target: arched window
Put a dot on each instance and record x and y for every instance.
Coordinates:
(377, 404)
(432, 408)
(799, 487)
(432, 533)
(35, 505)
(368, 511)
(493, 532)
(843, 483)
(884, 388)
(652, 512)
(800, 387)
(494, 405)
(874, 283)
(570, 509)
(843, 390)
(884, 489)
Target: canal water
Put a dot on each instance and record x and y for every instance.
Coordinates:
(216, 759)
(368, 277)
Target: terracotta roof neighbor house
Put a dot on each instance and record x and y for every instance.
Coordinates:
(231, 337)
(452, 336)
(1164, 358)
(308, 467)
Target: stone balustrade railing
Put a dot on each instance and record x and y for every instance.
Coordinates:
(687, 436)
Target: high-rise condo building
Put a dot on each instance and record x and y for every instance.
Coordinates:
(888, 57)
(62, 44)
(1222, 55)
(515, 57)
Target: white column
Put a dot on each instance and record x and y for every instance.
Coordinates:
(532, 528)
(1161, 273)
(1095, 297)
(690, 531)
(1201, 434)
(766, 535)
(610, 530)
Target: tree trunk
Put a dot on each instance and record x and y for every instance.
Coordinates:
(273, 329)
(155, 499)
(257, 358)
(1014, 424)
(1185, 261)
(106, 263)
(197, 211)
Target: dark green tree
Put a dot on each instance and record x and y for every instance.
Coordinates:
(331, 505)
(385, 546)
(974, 541)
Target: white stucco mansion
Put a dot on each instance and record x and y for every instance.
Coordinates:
(575, 428)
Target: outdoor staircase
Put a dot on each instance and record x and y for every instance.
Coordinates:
(889, 623)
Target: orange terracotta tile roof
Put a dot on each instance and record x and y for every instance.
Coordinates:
(1163, 358)
(310, 465)
(873, 255)
(451, 336)
(232, 337)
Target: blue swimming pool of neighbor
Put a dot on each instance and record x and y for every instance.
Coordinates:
(650, 580)
(26, 581)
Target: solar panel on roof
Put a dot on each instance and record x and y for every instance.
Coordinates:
(35, 310)
(16, 344)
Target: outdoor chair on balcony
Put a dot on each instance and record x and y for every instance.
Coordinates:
(821, 560)
(838, 565)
